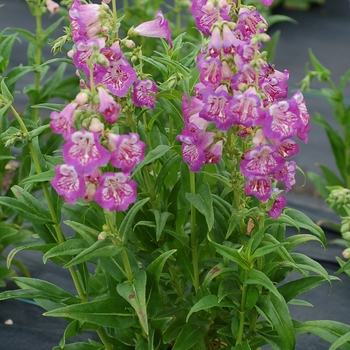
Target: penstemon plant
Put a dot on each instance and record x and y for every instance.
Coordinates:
(173, 186)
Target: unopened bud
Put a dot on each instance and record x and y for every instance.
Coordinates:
(346, 235)
(346, 253)
(96, 125)
(82, 98)
(102, 60)
(52, 6)
(209, 7)
(102, 236)
(82, 83)
(106, 1)
(129, 44)
(70, 53)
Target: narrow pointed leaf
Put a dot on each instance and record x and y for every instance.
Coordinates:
(189, 336)
(135, 294)
(205, 303)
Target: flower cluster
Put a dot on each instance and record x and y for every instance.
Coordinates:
(240, 93)
(88, 124)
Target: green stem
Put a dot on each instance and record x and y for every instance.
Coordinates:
(58, 230)
(193, 235)
(242, 311)
(103, 336)
(127, 266)
(115, 17)
(38, 54)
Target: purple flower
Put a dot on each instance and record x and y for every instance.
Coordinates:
(68, 183)
(262, 160)
(277, 207)
(287, 175)
(128, 151)
(116, 192)
(158, 28)
(210, 71)
(85, 20)
(246, 108)
(62, 123)
(267, 2)
(214, 109)
(282, 120)
(108, 107)
(258, 186)
(84, 50)
(84, 152)
(304, 126)
(142, 93)
(287, 148)
(119, 75)
(252, 21)
(274, 84)
(216, 43)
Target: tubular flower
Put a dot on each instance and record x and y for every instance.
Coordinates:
(277, 207)
(52, 6)
(158, 28)
(108, 107)
(62, 123)
(267, 2)
(118, 76)
(84, 152)
(143, 93)
(68, 183)
(128, 151)
(258, 186)
(115, 192)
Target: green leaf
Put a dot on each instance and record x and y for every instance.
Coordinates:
(5, 51)
(51, 106)
(5, 91)
(72, 246)
(303, 221)
(161, 220)
(46, 176)
(26, 198)
(340, 341)
(292, 289)
(106, 312)
(154, 271)
(88, 233)
(203, 202)
(277, 313)
(98, 249)
(79, 346)
(151, 156)
(24, 210)
(127, 223)
(189, 336)
(232, 254)
(295, 240)
(323, 72)
(328, 330)
(26, 33)
(331, 178)
(256, 277)
(205, 303)
(135, 293)
(4, 109)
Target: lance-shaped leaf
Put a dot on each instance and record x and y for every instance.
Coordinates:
(189, 336)
(161, 220)
(203, 202)
(205, 303)
(154, 271)
(135, 294)
(98, 249)
(107, 312)
(329, 330)
(256, 277)
(276, 312)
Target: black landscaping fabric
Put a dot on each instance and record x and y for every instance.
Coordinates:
(324, 29)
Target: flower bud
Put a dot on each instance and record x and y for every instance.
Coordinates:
(346, 253)
(102, 60)
(106, 1)
(346, 235)
(70, 53)
(52, 6)
(82, 98)
(129, 44)
(96, 125)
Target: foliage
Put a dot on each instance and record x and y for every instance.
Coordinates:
(198, 258)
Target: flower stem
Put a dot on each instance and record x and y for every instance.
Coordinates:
(193, 235)
(103, 336)
(242, 311)
(115, 17)
(38, 54)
